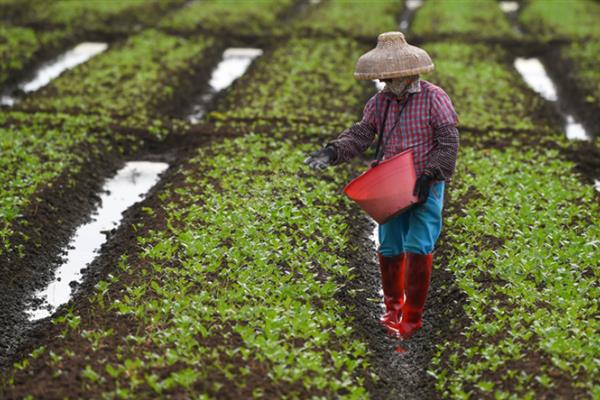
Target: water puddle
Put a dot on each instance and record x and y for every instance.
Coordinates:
(375, 239)
(234, 64)
(533, 72)
(408, 13)
(509, 6)
(128, 187)
(52, 69)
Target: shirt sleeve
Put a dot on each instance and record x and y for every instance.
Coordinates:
(442, 158)
(358, 137)
(442, 111)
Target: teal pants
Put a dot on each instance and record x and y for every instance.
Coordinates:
(416, 230)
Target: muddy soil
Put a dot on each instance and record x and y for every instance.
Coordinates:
(121, 241)
(401, 374)
(48, 224)
(561, 72)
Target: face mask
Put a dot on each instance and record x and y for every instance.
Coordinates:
(399, 85)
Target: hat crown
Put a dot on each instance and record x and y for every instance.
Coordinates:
(393, 57)
(391, 38)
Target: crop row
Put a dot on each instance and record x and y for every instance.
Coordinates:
(493, 97)
(486, 89)
(338, 18)
(235, 270)
(20, 47)
(524, 248)
(239, 280)
(136, 84)
(461, 19)
(37, 149)
(218, 17)
(305, 80)
(329, 18)
(132, 83)
(80, 16)
(572, 21)
(35, 30)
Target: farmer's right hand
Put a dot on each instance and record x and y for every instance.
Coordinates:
(321, 158)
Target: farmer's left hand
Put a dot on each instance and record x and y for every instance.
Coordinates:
(422, 187)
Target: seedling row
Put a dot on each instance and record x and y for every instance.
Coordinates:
(230, 281)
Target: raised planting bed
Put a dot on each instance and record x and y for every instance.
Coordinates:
(574, 20)
(21, 48)
(96, 17)
(17, 47)
(228, 291)
(137, 83)
(36, 149)
(486, 90)
(338, 18)
(461, 20)
(246, 18)
(302, 80)
(523, 246)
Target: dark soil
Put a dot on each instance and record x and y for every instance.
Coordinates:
(48, 224)
(571, 92)
(123, 241)
(53, 219)
(401, 374)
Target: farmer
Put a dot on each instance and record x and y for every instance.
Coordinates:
(411, 114)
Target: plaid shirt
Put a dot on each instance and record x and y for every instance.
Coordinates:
(426, 125)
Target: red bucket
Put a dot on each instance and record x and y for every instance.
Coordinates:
(385, 190)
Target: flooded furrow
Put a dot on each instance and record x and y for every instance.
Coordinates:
(375, 239)
(129, 186)
(52, 69)
(234, 64)
(534, 74)
(511, 9)
(410, 7)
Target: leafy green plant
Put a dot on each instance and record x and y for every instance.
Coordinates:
(573, 20)
(461, 19)
(349, 18)
(130, 83)
(245, 18)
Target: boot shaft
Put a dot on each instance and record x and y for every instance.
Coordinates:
(392, 275)
(416, 283)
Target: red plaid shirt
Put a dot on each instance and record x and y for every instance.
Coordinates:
(426, 111)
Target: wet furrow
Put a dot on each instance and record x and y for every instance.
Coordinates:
(51, 70)
(116, 197)
(534, 72)
(130, 185)
(234, 63)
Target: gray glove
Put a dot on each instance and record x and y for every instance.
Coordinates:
(321, 158)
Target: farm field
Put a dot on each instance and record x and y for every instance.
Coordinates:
(243, 273)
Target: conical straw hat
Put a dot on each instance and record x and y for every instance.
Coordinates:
(392, 58)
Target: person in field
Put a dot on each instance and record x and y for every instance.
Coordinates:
(410, 113)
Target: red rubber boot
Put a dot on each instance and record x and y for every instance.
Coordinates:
(418, 275)
(392, 281)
